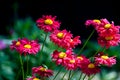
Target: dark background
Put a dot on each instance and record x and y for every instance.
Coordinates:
(72, 14)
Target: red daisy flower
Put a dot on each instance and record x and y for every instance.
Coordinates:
(30, 47)
(105, 60)
(90, 68)
(64, 39)
(95, 23)
(41, 71)
(58, 57)
(81, 60)
(105, 27)
(71, 43)
(70, 62)
(109, 40)
(48, 23)
(25, 46)
(15, 45)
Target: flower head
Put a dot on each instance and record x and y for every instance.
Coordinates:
(109, 40)
(81, 60)
(106, 27)
(25, 46)
(70, 62)
(64, 39)
(59, 57)
(95, 23)
(90, 68)
(48, 23)
(15, 44)
(105, 60)
(42, 71)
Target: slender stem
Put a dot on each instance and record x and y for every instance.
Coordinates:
(57, 73)
(18, 74)
(104, 48)
(69, 75)
(84, 77)
(22, 66)
(43, 45)
(91, 77)
(27, 64)
(64, 75)
(80, 76)
(86, 42)
(72, 75)
(97, 51)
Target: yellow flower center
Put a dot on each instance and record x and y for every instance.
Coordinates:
(36, 79)
(62, 55)
(48, 22)
(108, 38)
(107, 26)
(104, 57)
(43, 69)
(28, 46)
(80, 58)
(72, 61)
(17, 43)
(91, 65)
(97, 21)
(60, 35)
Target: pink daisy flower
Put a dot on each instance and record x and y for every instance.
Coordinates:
(30, 47)
(25, 46)
(48, 23)
(105, 27)
(15, 45)
(60, 36)
(41, 71)
(59, 57)
(71, 43)
(90, 68)
(105, 60)
(95, 23)
(70, 62)
(109, 40)
(64, 39)
(81, 60)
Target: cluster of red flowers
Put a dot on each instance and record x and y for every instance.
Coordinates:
(108, 36)
(108, 33)
(71, 61)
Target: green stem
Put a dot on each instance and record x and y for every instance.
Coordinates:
(104, 48)
(69, 75)
(43, 45)
(57, 73)
(18, 74)
(91, 77)
(72, 75)
(27, 64)
(64, 75)
(22, 66)
(86, 42)
(97, 51)
(80, 76)
(84, 77)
